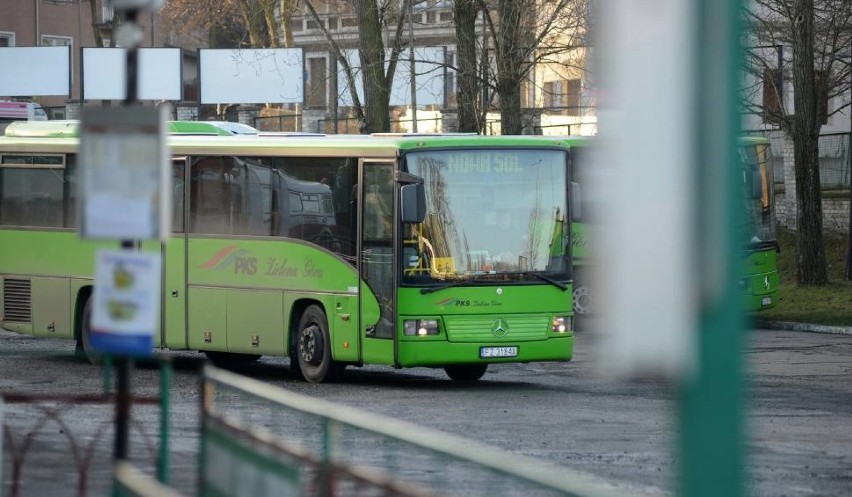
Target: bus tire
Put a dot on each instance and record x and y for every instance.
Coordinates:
(583, 300)
(313, 347)
(465, 372)
(84, 348)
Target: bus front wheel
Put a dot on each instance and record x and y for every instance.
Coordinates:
(84, 341)
(465, 372)
(313, 347)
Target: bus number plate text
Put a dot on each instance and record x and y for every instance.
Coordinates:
(485, 352)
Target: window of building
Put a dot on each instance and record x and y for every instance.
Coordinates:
(450, 80)
(771, 100)
(821, 84)
(312, 24)
(572, 97)
(430, 17)
(552, 94)
(332, 23)
(317, 83)
(7, 39)
(446, 16)
(56, 41)
(349, 22)
(296, 25)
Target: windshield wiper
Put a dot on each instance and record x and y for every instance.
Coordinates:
(553, 282)
(436, 288)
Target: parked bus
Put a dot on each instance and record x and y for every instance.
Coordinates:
(758, 284)
(448, 252)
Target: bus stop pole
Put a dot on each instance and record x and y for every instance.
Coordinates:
(125, 364)
(710, 400)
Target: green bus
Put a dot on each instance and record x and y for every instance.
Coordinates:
(758, 284)
(408, 251)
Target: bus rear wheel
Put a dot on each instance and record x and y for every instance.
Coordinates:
(84, 340)
(313, 347)
(465, 372)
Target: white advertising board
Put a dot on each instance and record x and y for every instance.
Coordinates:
(428, 77)
(105, 74)
(35, 71)
(234, 76)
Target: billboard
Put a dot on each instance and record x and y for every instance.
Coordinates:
(268, 75)
(105, 74)
(35, 71)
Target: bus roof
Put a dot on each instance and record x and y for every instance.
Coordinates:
(190, 138)
(71, 129)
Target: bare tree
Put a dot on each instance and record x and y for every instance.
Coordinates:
(464, 13)
(263, 22)
(377, 67)
(528, 33)
(819, 33)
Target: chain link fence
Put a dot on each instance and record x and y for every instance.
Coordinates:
(834, 159)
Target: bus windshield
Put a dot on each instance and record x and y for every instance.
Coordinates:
(759, 190)
(492, 215)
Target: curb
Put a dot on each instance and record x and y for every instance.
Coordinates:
(812, 328)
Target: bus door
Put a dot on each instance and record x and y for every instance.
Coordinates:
(376, 261)
(173, 327)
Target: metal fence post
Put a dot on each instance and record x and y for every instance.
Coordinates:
(165, 401)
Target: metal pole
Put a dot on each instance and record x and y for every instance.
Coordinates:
(125, 364)
(780, 82)
(411, 64)
(847, 274)
(165, 398)
(332, 59)
(710, 400)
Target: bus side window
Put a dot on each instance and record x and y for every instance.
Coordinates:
(215, 198)
(32, 197)
(178, 166)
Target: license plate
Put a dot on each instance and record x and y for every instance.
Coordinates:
(766, 301)
(485, 352)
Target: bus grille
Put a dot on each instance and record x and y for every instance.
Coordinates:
(482, 328)
(17, 301)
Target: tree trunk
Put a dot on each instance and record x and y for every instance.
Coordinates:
(810, 256)
(372, 52)
(464, 12)
(509, 59)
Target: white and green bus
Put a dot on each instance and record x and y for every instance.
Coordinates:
(407, 251)
(758, 282)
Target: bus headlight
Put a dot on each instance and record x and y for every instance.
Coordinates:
(420, 327)
(561, 324)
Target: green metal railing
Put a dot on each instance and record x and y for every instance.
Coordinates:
(328, 449)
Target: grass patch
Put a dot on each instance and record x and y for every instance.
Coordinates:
(827, 305)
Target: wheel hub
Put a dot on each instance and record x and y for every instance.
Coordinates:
(310, 345)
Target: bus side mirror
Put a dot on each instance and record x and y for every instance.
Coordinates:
(576, 210)
(412, 200)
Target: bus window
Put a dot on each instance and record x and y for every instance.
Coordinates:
(215, 197)
(178, 168)
(33, 191)
(315, 201)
